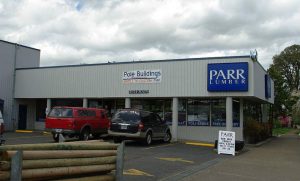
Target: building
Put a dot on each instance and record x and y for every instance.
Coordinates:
(13, 56)
(198, 96)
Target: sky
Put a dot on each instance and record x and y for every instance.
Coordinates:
(97, 31)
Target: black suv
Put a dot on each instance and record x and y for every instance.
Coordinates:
(140, 125)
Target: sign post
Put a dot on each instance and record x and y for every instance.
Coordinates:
(226, 142)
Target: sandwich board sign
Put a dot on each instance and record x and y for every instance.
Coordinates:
(226, 142)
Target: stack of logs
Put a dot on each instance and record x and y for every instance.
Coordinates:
(91, 160)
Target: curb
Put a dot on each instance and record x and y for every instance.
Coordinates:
(261, 143)
(200, 144)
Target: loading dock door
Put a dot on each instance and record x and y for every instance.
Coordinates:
(22, 117)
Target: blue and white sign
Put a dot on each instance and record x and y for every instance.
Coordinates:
(227, 77)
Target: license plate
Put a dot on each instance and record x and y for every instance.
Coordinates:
(58, 130)
(123, 126)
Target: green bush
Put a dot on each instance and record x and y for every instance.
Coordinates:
(276, 124)
(255, 131)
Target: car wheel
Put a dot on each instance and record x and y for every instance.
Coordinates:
(55, 137)
(84, 136)
(167, 137)
(148, 139)
(117, 140)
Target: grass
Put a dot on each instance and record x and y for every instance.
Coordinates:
(280, 131)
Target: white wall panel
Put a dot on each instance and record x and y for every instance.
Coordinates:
(203, 133)
(259, 83)
(185, 78)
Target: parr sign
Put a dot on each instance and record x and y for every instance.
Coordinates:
(227, 77)
(142, 76)
(226, 142)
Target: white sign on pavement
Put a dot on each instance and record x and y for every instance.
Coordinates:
(226, 142)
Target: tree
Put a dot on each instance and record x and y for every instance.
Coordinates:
(285, 71)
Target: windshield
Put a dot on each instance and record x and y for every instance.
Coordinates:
(61, 112)
(126, 116)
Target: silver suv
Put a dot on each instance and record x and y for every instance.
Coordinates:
(1, 129)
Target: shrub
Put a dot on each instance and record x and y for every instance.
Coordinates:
(255, 131)
(277, 123)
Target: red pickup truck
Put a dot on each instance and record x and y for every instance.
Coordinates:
(77, 121)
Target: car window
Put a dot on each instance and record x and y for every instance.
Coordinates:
(126, 116)
(61, 112)
(82, 113)
(1, 115)
(91, 113)
(145, 116)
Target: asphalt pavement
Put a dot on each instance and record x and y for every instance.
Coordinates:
(276, 160)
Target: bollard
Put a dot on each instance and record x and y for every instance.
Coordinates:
(16, 166)
(120, 162)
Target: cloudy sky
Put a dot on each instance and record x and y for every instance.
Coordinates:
(77, 32)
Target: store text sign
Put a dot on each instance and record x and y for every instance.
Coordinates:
(226, 142)
(227, 77)
(142, 76)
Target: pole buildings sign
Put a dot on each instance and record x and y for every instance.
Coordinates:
(227, 77)
(142, 76)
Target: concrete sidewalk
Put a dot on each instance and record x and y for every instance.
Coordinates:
(276, 160)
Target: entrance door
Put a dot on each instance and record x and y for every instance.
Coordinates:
(22, 117)
(1, 105)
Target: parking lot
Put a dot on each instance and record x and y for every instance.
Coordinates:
(159, 161)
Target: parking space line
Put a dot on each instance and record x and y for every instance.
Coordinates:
(160, 146)
(176, 160)
(136, 172)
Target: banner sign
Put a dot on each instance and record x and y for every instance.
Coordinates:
(138, 91)
(226, 142)
(142, 76)
(267, 86)
(227, 77)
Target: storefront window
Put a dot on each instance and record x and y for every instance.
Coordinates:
(236, 113)
(182, 112)
(198, 112)
(41, 105)
(218, 113)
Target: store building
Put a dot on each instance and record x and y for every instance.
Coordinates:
(13, 56)
(196, 96)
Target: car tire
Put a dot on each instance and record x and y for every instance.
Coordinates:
(167, 137)
(55, 137)
(117, 140)
(84, 136)
(148, 139)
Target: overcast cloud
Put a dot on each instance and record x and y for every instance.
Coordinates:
(74, 32)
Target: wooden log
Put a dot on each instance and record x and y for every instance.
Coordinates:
(60, 171)
(52, 154)
(109, 177)
(60, 146)
(50, 163)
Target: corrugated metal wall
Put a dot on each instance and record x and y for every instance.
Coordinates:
(7, 54)
(186, 78)
(25, 57)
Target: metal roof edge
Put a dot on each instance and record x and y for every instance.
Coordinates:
(19, 45)
(142, 61)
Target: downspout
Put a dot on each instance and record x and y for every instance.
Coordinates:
(13, 114)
